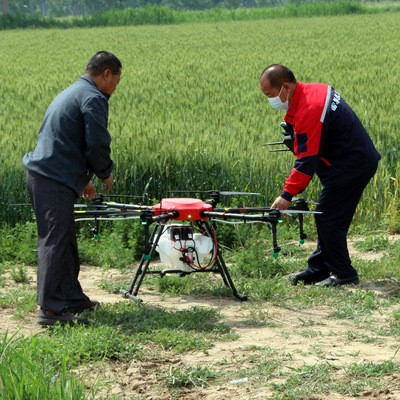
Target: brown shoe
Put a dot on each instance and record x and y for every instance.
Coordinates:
(79, 306)
(49, 318)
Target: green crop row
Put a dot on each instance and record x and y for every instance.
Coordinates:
(188, 113)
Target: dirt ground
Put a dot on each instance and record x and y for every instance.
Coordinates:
(297, 338)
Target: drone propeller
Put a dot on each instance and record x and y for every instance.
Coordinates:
(99, 201)
(224, 193)
(130, 196)
(217, 192)
(299, 212)
(244, 210)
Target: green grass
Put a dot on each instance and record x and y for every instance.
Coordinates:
(126, 333)
(30, 370)
(121, 332)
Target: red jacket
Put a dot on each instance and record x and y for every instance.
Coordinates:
(329, 138)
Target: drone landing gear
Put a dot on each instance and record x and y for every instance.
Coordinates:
(152, 242)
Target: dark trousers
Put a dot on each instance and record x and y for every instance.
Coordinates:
(58, 259)
(338, 201)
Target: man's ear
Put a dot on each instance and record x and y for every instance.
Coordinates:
(106, 73)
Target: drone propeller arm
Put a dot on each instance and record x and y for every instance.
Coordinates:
(166, 217)
(149, 217)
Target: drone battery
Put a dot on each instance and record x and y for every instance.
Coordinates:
(180, 232)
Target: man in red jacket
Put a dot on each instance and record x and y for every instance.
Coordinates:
(331, 142)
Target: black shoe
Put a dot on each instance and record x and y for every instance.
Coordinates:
(79, 306)
(49, 318)
(307, 277)
(333, 280)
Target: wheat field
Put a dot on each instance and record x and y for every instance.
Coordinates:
(188, 113)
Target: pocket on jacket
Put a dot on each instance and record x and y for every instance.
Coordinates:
(301, 142)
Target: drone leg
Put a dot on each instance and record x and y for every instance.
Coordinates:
(220, 264)
(144, 264)
(303, 236)
(277, 249)
(137, 280)
(223, 270)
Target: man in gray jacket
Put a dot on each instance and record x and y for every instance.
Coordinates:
(73, 146)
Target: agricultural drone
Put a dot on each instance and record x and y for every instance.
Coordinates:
(184, 232)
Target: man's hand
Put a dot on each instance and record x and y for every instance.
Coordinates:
(89, 192)
(108, 182)
(280, 203)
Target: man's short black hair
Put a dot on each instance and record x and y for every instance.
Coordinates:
(101, 61)
(277, 75)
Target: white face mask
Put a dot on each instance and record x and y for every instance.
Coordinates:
(277, 103)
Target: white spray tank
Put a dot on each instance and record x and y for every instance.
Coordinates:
(182, 248)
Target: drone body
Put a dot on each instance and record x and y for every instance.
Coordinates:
(187, 209)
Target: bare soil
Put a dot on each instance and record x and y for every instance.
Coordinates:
(295, 337)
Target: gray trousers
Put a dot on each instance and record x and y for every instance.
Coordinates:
(58, 259)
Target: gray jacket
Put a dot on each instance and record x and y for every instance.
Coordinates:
(74, 142)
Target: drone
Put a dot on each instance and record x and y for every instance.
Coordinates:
(182, 230)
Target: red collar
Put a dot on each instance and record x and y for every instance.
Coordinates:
(294, 102)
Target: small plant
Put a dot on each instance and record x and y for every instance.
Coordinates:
(19, 243)
(373, 243)
(189, 376)
(254, 259)
(112, 286)
(116, 246)
(94, 343)
(358, 304)
(395, 322)
(22, 300)
(371, 369)
(306, 381)
(259, 317)
(19, 274)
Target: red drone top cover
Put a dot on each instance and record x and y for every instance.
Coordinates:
(188, 209)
